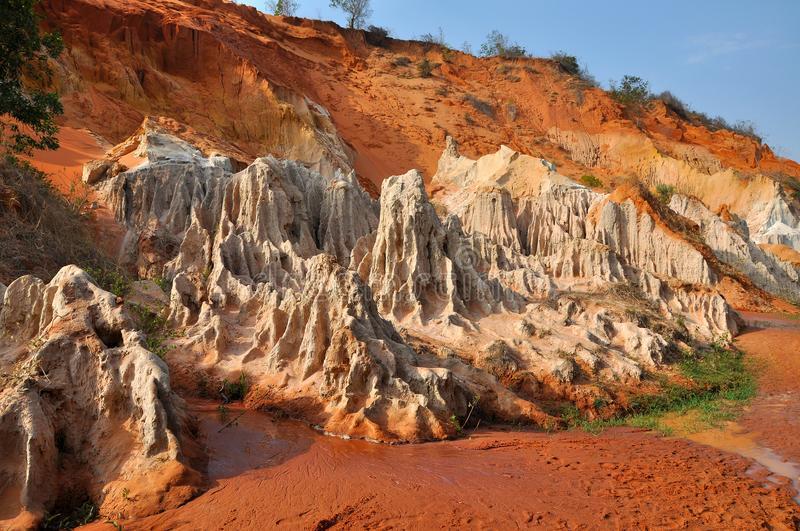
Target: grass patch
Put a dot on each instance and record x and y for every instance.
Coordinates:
(81, 515)
(591, 181)
(236, 390)
(155, 328)
(110, 279)
(665, 193)
(718, 382)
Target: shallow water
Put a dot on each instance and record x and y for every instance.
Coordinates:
(735, 439)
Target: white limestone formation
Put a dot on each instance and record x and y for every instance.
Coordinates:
(79, 387)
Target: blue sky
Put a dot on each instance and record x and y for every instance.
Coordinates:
(738, 59)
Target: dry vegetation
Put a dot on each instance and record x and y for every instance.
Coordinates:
(40, 231)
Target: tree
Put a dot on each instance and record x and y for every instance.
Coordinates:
(286, 8)
(27, 109)
(358, 11)
(633, 92)
(500, 45)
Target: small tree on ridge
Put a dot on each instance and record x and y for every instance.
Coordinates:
(286, 8)
(358, 11)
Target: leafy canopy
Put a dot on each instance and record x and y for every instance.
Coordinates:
(498, 44)
(358, 11)
(633, 92)
(27, 109)
(286, 8)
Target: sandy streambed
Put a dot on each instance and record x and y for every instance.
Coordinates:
(281, 474)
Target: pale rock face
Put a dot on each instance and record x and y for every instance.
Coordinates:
(759, 200)
(79, 387)
(733, 246)
(250, 280)
(423, 270)
(638, 241)
(411, 275)
(315, 291)
(587, 240)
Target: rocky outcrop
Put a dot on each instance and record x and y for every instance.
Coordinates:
(422, 269)
(731, 244)
(85, 410)
(304, 285)
(692, 170)
(582, 238)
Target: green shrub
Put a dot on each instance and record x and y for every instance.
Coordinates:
(155, 328)
(499, 45)
(570, 66)
(685, 112)
(236, 390)
(591, 181)
(377, 36)
(112, 280)
(425, 68)
(401, 61)
(567, 63)
(665, 192)
(633, 92)
(81, 515)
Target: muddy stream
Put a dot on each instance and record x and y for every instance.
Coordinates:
(270, 473)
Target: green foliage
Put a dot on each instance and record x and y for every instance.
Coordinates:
(155, 328)
(164, 283)
(665, 192)
(633, 92)
(425, 68)
(285, 8)
(720, 379)
(499, 45)
(113, 280)
(685, 112)
(570, 66)
(236, 390)
(591, 181)
(27, 109)
(456, 424)
(567, 63)
(401, 61)
(80, 515)
(377, 35)
(357, 11)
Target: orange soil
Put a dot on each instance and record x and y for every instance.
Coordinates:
(232, 72)
(65, 165)
(775, 415)
(271, 473)
(64, 168)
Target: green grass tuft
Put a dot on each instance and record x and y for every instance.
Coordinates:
(720, 382)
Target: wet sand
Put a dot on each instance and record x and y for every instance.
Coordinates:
(268, 473)
(281, 474)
